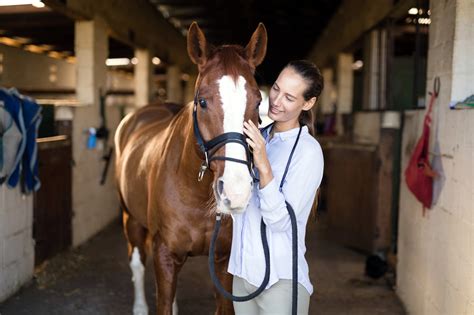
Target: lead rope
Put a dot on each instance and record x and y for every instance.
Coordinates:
(266, 251)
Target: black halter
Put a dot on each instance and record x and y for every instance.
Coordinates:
(209, 148)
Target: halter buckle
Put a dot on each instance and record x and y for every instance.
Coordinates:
(206, 156)
(202, 170)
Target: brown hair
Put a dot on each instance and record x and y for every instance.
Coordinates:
(315, 81)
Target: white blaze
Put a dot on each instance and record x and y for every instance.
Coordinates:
(138, 270)
(236, 175)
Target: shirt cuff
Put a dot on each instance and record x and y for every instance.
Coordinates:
(270, 196)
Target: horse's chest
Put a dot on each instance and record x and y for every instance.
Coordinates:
(192, 236)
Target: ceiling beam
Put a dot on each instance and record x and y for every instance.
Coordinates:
(351, 20)
(137, 23)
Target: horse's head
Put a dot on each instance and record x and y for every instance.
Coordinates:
(226, 95)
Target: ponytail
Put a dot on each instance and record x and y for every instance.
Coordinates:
(307, 118)
(315, 81)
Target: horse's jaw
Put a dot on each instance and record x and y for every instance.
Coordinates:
(226, 210)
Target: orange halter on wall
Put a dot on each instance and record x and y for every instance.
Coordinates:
(419, 174)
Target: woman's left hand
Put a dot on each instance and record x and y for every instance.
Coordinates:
(257, 143)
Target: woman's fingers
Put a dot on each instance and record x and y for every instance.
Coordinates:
(251, 143)
(253, 132)
(250, 132)
(252, 124)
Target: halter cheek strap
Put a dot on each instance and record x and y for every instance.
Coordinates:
(209, 148)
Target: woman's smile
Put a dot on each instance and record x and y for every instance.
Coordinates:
(274, 110)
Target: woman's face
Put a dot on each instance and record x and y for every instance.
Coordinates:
(286, 97)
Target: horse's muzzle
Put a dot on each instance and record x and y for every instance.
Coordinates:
(232, 194)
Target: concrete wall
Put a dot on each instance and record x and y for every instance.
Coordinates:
(94, 206)
(435, 273)
(16, 241)
(26, 70)
(18, 62)
(367, 127)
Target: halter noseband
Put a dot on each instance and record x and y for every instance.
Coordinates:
(210, 147)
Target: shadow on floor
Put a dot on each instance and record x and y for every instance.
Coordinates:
(95, 279)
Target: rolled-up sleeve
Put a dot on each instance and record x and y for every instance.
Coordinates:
(303, 179)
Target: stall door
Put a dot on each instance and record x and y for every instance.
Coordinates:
(53, 201)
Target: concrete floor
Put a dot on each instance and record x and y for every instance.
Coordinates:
(95, 279)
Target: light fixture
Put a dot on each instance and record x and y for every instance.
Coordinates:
(71, 59)
(425, 21)
(35, 3)
(357, 65)
(134, 60)
(35, 48)
(56, 54)
(156, 61)
(175, 22)
(413, 11)
(114, 62)
(10, 42)
(164, 11)
(38, 4)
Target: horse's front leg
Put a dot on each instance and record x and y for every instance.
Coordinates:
(167, 266)
(224, 306)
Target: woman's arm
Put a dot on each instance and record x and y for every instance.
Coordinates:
(302, 181)
(299, 189)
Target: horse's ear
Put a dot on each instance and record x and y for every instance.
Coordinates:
(197, 45)
(257, 47)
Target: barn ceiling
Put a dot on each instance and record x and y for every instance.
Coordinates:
(293, 27)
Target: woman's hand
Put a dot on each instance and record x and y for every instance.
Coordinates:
(260, 159)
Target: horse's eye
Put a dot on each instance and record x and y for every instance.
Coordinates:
(258, 105)
(202, 103)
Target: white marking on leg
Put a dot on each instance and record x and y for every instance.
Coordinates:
(237, 180)
(138, 270)
(175, 303)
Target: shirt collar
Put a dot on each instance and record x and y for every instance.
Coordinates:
(285, 135)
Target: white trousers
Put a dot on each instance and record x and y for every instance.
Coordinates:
(275, 300)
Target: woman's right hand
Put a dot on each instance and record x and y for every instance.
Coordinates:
(259, 151)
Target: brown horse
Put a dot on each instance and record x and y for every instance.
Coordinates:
(158, 161)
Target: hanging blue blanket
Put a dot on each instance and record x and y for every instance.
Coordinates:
(26, 114)
(10, 143)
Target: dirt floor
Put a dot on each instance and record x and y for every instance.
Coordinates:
(95, 279)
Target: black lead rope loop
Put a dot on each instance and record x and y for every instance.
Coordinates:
(266, 250)
(216, 280)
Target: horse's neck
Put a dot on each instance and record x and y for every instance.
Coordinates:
(186, 161)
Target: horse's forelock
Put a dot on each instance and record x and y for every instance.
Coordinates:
(230, 60)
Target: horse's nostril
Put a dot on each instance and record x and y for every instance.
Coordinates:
(220, 187)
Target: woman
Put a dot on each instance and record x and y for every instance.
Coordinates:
(291, 99)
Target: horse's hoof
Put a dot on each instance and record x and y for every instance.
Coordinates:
(140, 309)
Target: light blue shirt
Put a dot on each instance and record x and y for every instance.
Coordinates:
(299, 189)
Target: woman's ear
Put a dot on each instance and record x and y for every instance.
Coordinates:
(310, 103)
